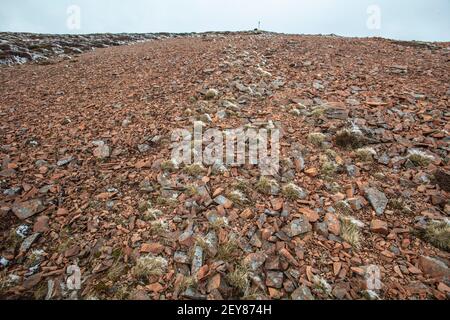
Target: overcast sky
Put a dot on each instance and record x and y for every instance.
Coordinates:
(427, 20)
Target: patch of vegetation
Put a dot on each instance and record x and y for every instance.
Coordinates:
(218, 223)
(348, 138)
(316, 138)
(194, 170)
(187, 282)
(40, 291)
(167, 202)
(149, 266)
(191, 190)
(420, 158)
(152, 214)
(328, 169)
(365, 154)
(343, 208)
(169, 166)
(399, 204)
(116, 271)
(331, 154)
(239, 279)
(237, 197)
(242, 185)
(350, 232)
(144, 205)
(159, 227)
(228, 251)
(318, 112)
(438, 234)
(266, 186)
(293, 192)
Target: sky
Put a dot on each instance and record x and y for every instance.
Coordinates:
(423, 20)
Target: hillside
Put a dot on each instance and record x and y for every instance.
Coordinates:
(86, 176)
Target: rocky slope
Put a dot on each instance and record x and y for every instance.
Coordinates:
(86, 177)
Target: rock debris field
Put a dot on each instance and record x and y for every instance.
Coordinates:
(359, 208)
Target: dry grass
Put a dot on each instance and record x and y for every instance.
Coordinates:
(187, 282)
(144, 205)
(169, 166)
(438, 234)
(191, 190)
(228, 251)
(266, 185)
(420, 158)
(350, 232)
(293, 192)
(194, 170)
(316, 138)
(347, 138)
(159, 227)
(149, 265)
(343, 208)
(242, 185)
(152, 214)
(328, 169)
(365, 154)
(318, 112)
(218, 223)
(239, 279)
(237, 197)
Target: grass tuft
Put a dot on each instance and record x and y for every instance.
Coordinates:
(293, 192)
(169, 166)
(239, 279)
(350, 232)
(266, 186)
(365, 154)
(228, 251)
(195, 170)
(149, 265)
(348, 138)
(316, 138)
(420, 158)
(438, 234)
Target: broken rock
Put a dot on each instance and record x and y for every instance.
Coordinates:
(377, 199)
(378, 226)
(298, 227)
(24, 210)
